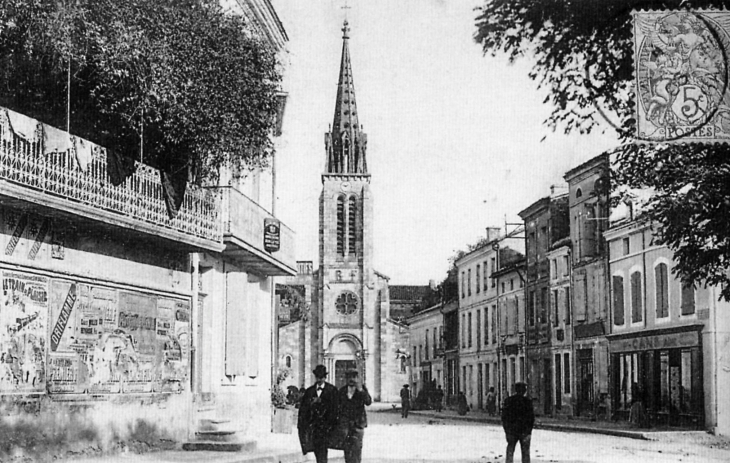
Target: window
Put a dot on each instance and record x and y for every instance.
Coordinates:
(352, 226)
(420, 352)
(441, 337)
(486, 325)
(494, 324)
(341, 226)
(553, 269)
(531, 308)
(486, 276)
(618, 300)
(688, 299)
(578, 193)
(468, 283)
(636, 297)
(661, 282)
(415, 354)
(463, 331)
(626, 246)
(347, 303)
(567, 306)
(288, 361)
(566, 266)
(435, 343)
(544, 305)
(477, 278)
(426, 345)
(493, 268)
(511, 284)
(463, 285)
(556, 309)
(503, 287)
(566, 373)
(479, 328)
(469, 329)
(516, 320)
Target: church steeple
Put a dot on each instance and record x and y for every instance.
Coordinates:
(346, 143)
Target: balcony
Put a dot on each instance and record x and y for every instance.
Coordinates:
(54, 184)
(243, 236)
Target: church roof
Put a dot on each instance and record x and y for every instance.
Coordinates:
(346, 143)
(407, 293)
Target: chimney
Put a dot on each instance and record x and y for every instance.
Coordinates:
(493, 233)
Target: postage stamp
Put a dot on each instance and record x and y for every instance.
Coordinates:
(681, 76)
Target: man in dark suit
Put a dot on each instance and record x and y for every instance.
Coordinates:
(353, 398)
(405, 401)
(317, 415)
(518, 419)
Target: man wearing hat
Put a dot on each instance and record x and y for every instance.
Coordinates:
(353, 397)
(405, 401)
(518, 419)
(317, 415)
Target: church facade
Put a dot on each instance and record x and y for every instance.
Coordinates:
(346, 322)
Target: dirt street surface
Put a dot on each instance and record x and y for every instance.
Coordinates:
(389, 438)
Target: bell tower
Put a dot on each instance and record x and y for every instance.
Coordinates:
(347, 294)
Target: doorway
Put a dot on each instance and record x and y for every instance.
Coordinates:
(341, 368)
(547, 386)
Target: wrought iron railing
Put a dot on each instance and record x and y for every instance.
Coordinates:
(139, 197)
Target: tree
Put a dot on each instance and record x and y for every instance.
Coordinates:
(583, 56)
(448, 289)
(179, 78)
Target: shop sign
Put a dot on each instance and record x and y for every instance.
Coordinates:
(272, 235)
(656, 342)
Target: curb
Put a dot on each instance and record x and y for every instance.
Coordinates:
(538, 425)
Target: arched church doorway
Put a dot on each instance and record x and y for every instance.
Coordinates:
(344, 356)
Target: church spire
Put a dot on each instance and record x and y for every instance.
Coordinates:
(346, 143)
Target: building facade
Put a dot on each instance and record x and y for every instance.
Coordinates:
(351, 325)
(589, 187)
(668, 340)
(561, 334)
(546, 223)
(451, 386)
(426, 329)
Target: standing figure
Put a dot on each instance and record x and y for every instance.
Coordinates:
(439, 399)
(353, 419)
(462, 405)
(405, 401)
(518, 419)
(491, 402)
(317, 415)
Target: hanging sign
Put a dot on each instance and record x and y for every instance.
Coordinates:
(272, 235)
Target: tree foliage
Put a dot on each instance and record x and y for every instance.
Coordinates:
(180, 78)
(582, 52)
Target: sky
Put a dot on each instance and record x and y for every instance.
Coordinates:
(454, 137)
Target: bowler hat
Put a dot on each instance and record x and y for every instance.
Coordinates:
(320, 371)
(405, 385)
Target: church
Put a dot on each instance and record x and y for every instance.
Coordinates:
(339, 314)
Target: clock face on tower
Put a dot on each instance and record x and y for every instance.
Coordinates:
(345, 186)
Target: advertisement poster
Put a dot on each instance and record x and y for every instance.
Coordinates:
(106, 341)
(23, 322)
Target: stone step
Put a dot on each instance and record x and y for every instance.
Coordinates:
(216, 435)
(213, 446)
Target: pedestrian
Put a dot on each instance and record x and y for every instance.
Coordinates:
(491, 402)
(405, 401)
(317, 415)
(462, 405)
(518, 419)
(353, 419)
(439, 399)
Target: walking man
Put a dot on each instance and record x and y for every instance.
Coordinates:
(491, 402)
(518, 418)
(439, 399)
(405, 401)
(317, 415)
(352, 400)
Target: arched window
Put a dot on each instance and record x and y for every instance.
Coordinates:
(288, 361)
(578, 193)
(661, 281)
(352, 226)
(345, 152)
(341, 225)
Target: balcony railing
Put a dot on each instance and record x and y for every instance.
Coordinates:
(243, 233)
(140, 198)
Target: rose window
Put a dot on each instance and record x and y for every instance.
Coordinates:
(347, 303)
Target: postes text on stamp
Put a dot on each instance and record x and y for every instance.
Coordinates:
(681, 76)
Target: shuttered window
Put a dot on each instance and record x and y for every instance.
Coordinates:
(341, 226)
(688, 299)
(352, 226)
(636, 297)
(618, 300)
(662, 291)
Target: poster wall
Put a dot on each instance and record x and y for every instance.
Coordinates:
(23, 321)
(96, 339)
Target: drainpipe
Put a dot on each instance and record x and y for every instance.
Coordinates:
(193, 354)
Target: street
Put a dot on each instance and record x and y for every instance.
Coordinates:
(389, 438)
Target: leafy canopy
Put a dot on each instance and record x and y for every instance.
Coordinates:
(582, 52)
(181, 75)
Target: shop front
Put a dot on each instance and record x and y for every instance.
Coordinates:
(662, 368)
